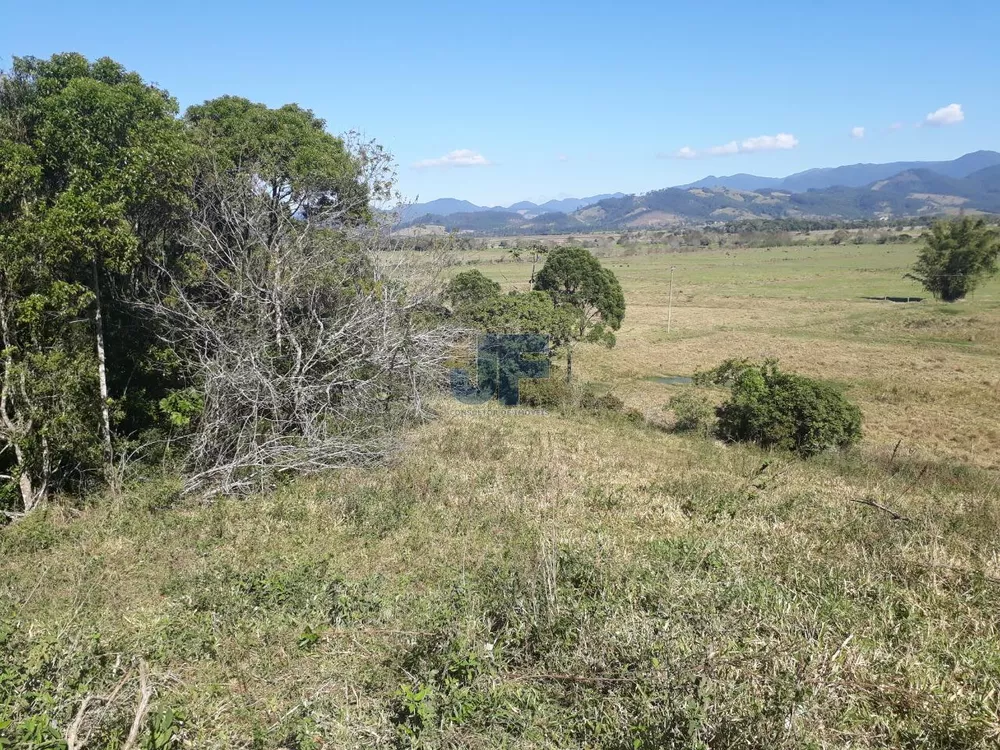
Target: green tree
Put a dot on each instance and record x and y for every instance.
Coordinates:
(470, 288)
(288, 151)
(92, 185)
(505, 320)
(957, 256)
(282, 163)
(576, 281)
(530, 312)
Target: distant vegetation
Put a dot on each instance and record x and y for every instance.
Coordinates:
(574, 299)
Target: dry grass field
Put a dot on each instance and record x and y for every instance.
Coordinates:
(926, 373)
(572, 580)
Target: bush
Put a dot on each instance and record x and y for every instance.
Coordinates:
(606, 403)
(470, 288)
(545, 393)
(634, 416)
(781, 410)
(692, 413)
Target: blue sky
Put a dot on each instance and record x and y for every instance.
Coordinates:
(543, 100)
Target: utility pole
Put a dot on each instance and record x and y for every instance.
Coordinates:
(670, 298)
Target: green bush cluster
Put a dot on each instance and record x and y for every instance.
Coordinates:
(545, 393)
(692, 413)
(103, 188)
(782, 410)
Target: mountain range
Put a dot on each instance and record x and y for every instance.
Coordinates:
(853, 175)
(527, 209)
(858, 191)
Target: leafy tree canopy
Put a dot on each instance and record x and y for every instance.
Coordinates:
(287, 149)
(94, 177)
(573, 277)
(531, 312)
(470, 288)
(957, 256)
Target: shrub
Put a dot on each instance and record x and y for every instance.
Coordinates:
(545, 393)
(692, 413)
(606, 403)
(782, 410)
(635, 416)
(470, 288)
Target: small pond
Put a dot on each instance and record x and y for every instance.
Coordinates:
(670, 379)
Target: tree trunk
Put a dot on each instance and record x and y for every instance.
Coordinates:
(569, 363)
(276, 299)
(273, 248)
(32, 495)
(14, 426)
(102, 374)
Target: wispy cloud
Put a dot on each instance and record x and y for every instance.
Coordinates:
(562, 157)
(462, 157)
(896, 126)
(950, 115)
(724, 150)
(779, 142)
(858, 132)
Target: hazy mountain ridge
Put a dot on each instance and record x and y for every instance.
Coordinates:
(851, 175)
(450, 206)
(915, 191)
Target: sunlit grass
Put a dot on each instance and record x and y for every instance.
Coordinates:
(568, 580)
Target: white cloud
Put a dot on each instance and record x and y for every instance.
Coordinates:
(779, 142)
(858, 132)
(562, 157)
(729, 148)
(950, 115)
(462, 157)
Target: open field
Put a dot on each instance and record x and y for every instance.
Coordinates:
(558, 581)
(925, 373)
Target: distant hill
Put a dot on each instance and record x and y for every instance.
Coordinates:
(918, 191)
(568, 205)
(910, 192)
(473, 221)
(449, 206)
(439, 207)
(740, 181)
(859, 175)
(854, 175)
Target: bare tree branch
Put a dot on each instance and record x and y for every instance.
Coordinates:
(305, 335)
(145, 696)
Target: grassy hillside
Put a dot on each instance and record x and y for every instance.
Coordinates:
(540, 581)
